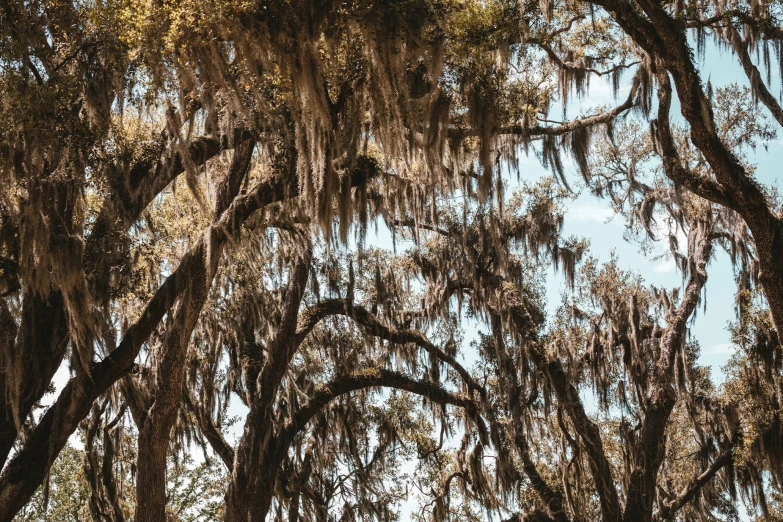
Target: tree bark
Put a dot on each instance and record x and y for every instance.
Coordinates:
(151, 471)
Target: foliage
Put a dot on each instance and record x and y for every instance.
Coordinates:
(65, 497)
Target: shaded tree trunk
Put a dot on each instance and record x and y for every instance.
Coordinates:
(151, 472)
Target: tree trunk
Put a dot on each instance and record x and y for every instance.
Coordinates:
(168, 373)
(168, 362)
(151, 472)
(648, 457)
(258, 457)
(252, 502)
(249, 494)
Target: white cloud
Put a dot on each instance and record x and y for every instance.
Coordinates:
(589, 213)
(721, 349)
(665, 266)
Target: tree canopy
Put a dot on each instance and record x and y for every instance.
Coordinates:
(192, 196)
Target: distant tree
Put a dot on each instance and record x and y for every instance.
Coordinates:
(71, 492)
(65, 495)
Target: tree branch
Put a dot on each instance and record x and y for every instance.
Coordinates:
(369, 378)
(132, 192)
(565, 128)
(579, 123)
(757, 85)
(312, 316)
(576, 67)
(672, 164)
(568, 397)
(690, 491)
(409, 223)
(213, 435)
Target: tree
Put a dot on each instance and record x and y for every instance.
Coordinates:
(65, 495)
(714, 167)
(296, 123)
